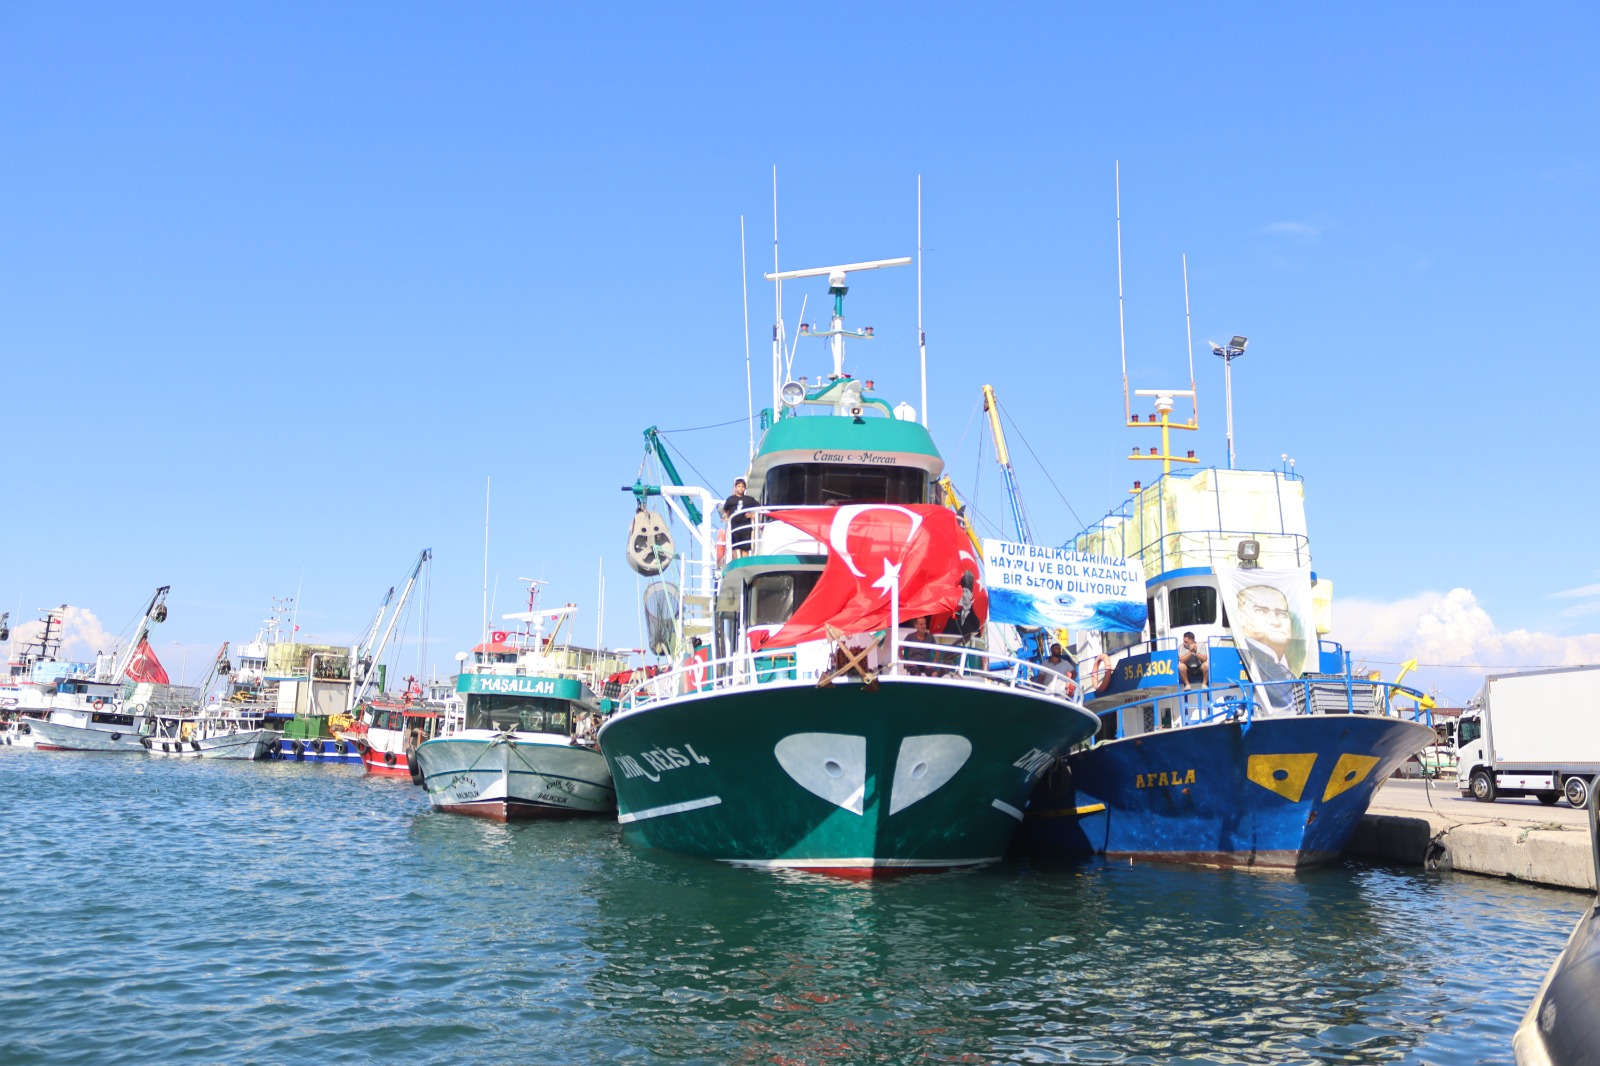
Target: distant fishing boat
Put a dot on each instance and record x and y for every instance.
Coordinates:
(526, 747)
(221, 730)
(389, 726)
(86, 713)
(211, 735)
(796, 726)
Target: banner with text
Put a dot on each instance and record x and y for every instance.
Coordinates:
(1030, 585)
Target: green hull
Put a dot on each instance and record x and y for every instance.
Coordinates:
(920, 774)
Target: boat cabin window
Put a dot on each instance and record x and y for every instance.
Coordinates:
(1115, 642)
(528, 714)
(774, 597)
(1471, 729)
(815, 484)
(101, 718)
(1192, 606)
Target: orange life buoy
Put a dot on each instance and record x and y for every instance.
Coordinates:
(98, 703)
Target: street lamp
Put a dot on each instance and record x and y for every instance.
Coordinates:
(1228, 353)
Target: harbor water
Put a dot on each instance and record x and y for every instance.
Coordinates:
(190, 911)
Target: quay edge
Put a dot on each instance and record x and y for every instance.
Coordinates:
(1515, 847)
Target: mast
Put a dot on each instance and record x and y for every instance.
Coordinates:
(156, 612)
(749, 395)
(1122, 325)
(777, 295)
(922, 335)
(838, 276)
(372, 667)
(992, 406)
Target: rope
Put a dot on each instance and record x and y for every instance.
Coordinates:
(696, 429)
(493, 743)
(687, 461)
(1045, 472)
(1474, 666)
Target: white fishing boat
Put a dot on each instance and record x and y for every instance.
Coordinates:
(88, 713)
(223, 730)
(215, 734)
(526, 748)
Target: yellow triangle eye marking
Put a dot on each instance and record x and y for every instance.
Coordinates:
(1284, 774)
(1348, 772)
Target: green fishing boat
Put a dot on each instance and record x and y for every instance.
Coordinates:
(792, 723)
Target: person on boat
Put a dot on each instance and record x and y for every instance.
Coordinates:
(1058, 663)
(739, 524)
(920, 660)
(1193, 662)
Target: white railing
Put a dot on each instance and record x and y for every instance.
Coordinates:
(808, 664)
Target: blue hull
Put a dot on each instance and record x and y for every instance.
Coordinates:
(1281, 792)
(332, 751)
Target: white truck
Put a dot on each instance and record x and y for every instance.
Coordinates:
(1532, 734)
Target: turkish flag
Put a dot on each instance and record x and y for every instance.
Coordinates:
(144, 666)
(871, 548)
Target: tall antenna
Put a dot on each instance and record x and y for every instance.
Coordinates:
(1122, 328)
(485, 558)
(749, 395)
(922, 336)
(1194, 394)
(777, 322)
(600, 615)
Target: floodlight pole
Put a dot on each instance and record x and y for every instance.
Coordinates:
(1228, 353)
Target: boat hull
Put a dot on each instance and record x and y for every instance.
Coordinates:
(13, 736)
(54, 736)
(917, 774)
(514, 777)
(395, 763)
(245, 745)
(316, 749)
(1278, 792)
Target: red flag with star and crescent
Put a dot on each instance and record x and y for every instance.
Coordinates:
(144, 666)
(871, 548)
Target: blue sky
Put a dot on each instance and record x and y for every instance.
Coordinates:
(281, 285)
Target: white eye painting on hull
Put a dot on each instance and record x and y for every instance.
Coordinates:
(833, 766)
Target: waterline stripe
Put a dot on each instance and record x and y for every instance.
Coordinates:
(1007, 808)
(861, 863)
(671, 808)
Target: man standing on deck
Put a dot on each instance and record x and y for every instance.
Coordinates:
(739, 524)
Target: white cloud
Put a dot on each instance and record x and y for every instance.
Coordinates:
(82, 635)
(1588, 594)
(1448, 632)
(1292, 229)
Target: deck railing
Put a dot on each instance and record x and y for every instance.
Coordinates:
(1242, 702)
(789, 666)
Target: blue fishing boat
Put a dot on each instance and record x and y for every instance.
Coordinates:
(1232, 732)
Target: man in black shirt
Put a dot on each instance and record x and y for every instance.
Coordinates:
(739, 524)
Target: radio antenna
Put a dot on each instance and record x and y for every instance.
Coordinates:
(777, 327)
(1188, 325)
(1122, 328)
(749, 394)
(922, 336)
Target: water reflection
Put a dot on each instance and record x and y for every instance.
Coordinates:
(167, 911)
(1096, 962)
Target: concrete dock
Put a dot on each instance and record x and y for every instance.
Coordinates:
(1517, 838)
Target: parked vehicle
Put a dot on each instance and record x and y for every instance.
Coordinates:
(1532, 734)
